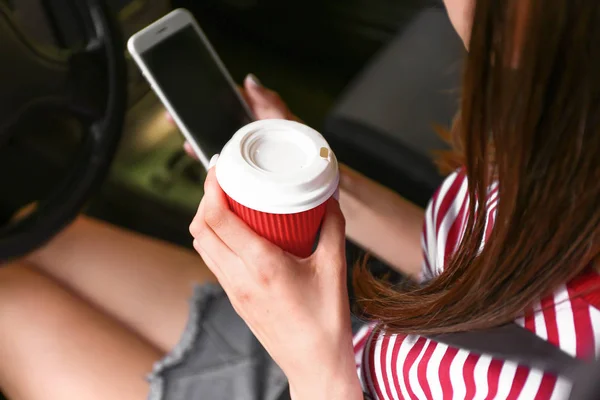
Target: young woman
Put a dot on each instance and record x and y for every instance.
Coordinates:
(513, 235)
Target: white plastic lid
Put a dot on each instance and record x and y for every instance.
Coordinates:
(278, 167)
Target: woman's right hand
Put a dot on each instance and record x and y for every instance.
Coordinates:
(264, 103)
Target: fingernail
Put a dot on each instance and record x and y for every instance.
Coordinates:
(254, 80)
(213, 161)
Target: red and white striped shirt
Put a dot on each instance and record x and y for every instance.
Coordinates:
(413, 367)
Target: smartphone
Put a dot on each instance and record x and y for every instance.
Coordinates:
(190, 79)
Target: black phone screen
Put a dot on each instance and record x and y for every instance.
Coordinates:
(202, 97)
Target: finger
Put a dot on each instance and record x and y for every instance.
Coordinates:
(205, 239)
(213, 161)
(197, 223)
(244, 95)
(217, 256)
(190, 150)
(212, 266)
(265, 103)
(332, 240)
(234, 233)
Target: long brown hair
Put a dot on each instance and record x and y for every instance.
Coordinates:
(534, 98)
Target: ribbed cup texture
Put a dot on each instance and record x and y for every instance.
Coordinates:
(294, 233)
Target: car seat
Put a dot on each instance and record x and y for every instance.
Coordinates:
(383, 125)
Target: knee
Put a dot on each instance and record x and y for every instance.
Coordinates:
(62, 244)
(19, 284)
(14, 274)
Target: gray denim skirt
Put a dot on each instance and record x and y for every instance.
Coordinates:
(218, 357)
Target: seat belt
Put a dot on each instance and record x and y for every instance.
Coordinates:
(511, 342)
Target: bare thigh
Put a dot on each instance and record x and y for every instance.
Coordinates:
(143, 282)
(55, 346)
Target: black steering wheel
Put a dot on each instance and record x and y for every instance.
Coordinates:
(88, 84)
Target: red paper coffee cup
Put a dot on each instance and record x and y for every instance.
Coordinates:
(278, 176)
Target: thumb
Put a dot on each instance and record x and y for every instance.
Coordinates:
(265, 103)
(332, 240)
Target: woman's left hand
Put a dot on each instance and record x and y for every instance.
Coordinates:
(298, 309)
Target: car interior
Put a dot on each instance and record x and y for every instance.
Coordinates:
(81, 128)
(345, 68)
